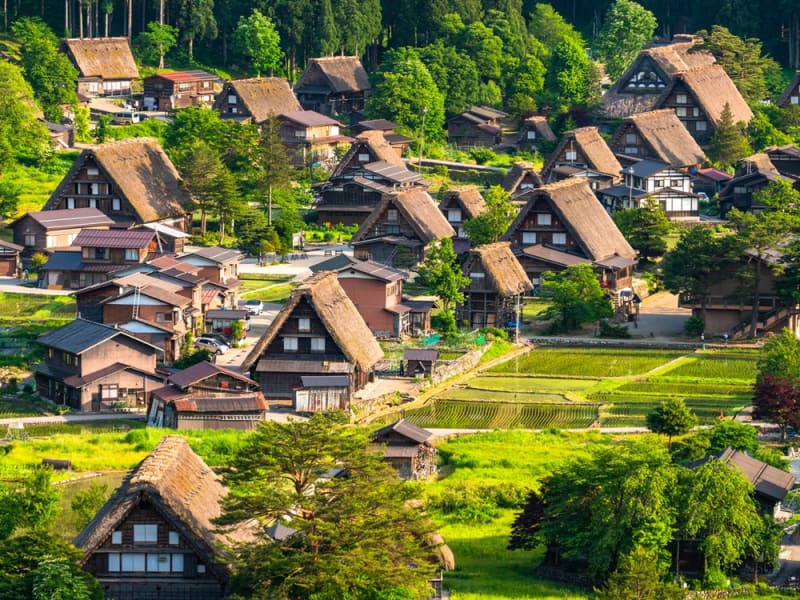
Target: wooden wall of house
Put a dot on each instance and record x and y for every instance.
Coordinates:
(119, 349)
(89, 304)
(544, 232)
(161, 314)
(136, 385)
(321, 399)
(197, 421)
(371, 297)
(690, 113)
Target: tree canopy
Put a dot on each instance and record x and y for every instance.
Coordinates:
(576, 297)
(489, 226)
(672, 417)
(258, 40)
(626, 28)
(645, 228)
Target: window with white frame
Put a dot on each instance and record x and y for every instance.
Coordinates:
(115, 204)
(680, 98)
(290, 344)
(145, 532)
(30, 239)
(681, 111)
(528, 237)
(454, 215)
(559, 239)
(391, 215)
(110, 391)
(630, 138)
(531, 134)
(535, 281)
(543, 219)
(363, 157)
(303, 324)
(231, 99)
(116, 537)
(318, 344)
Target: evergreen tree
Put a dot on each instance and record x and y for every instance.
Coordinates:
(273, 162)
(671, 418)
(728, 144)
(196, 22)
(358, 22)
(639, 576)
(645, 228)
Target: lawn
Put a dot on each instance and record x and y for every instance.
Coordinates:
(275, 292)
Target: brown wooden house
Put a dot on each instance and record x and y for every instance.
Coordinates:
(562, 224)
(478, 126)
(497, 284)
(172, 90)
(583, 153)
(207, 396)
(221, 267)
(791, 95)
(50, 229)
(786, 159)
(753, 174)
(92, 367)
(255, 100)
(520, 178)
(420, 361)
(658, 135)
(397, 141)
(408, 449)
(333, 85)
(400, 229)
(311, 137)
(460, 204)
(370, 168)
(105, 65)
(317, 332)
(535, 134)
(132, 181)
(10, 259)
(156, 536)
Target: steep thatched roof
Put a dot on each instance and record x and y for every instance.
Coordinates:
(140, 171)
(370, 142)
(468, 198)
(760, 161)
(501, 267)
(588, 142)
(583, 215)
(668, 60)
(418, 208)
(341, 73)
(793, 89)
(712, 88)
(517, 173)
(542, 127)
(665, 135)
(108, 58)
(262, 96)
(336, 311)
(181, 487)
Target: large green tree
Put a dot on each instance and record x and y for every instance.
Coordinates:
(627, 27)
(780, 356)
(570, 76)
(272, 163)
(455, 75)
(196, 21)
(640, 576)
(645, 228)
(359, 24)
(672, 417)
(443, 275)
(576, 298)
(257, 38)
(355, 533)
(156, 42)
(728, 142)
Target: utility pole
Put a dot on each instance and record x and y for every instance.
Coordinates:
(422, 139)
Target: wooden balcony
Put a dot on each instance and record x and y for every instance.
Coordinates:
(715, 302)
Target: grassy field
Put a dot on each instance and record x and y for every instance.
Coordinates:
(591, 362)
(35, 307)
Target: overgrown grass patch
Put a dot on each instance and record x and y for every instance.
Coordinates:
(38, 183)
(35, 306)
(593, 362)
(278, 292)
(466, 414)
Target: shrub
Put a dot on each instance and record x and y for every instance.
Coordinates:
(716, 580)
(444, 323)
(694, 326)
(482, 155)
(607, 330)
(494, 332)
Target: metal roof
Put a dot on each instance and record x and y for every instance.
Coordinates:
(309, 118)
(556, 257)
(114, 238)
(204, 370)
(72, 218)
(63, 260)
(226, 314)
(377, 270)
(184, 76)
(392, 172)
(78, 336)
(420, 354)
(216, 254)
(325, 381)
(645, 168)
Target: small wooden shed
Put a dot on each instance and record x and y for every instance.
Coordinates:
(420, 361)
(408, 449)
(321, 393)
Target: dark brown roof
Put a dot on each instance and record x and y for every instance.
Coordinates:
(766, 479)
(712, 88)
(592, 146)
(553, 256)
(204, 370)
(581, 212)
(246, 402)
(11, 246)
(665, 135)
(790, 90)
(540, 124)
(502, 268)
(406, 429)
(108, 58)
(309, 118)
(141, 172)
(156, 292)
(114, 238)
(425, 354)
(342, 73)
(468, 198)
(374, 269)
(374, 143)
(78, 381)
(336, 311)
(81, 335)
(70, 218)
(181, 487)
(419, 209)
(261, 96)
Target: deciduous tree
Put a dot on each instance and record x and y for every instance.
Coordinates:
(627, 27)
(576, 297)
(671, 418)
(489, 226)
(442, 273)
(257, 38)
(640, 576)
(156, 42)
(645, 228)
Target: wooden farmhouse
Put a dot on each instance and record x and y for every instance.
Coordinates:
(753, 174)
(397, 141)
(770, 484)
(178, 89)
(709, 181)
(105, 65)
(563, 224)
(644, 179)
(222, 321)
(62, 137)
(408, 449)
(92, 367)
(333, 85)
(318, 332)
(658, 135)
(497, 284)
(420, 361)
(255, 100)
(520, 178)
(791, 95)
(50, 229)
(131, 181)
(478, 126)
(699, 96)
(311, 137)
(207, 396)
(460, 204)
(786, 159)
(10, 259)
(535, 134)
(156, 537)
(369, 169)
(642, 85)
(583, 153)
(401, 229)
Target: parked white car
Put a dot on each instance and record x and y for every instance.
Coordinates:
(254, 307)
(212, 345)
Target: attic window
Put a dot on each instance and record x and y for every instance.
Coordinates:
(363, 157)
(391, 215)
(303, 324)
(680, 98)
(174, 540)
(231, 99)
(528, 237)
(201, 568)
(115, 204)
(290, 344)
(559, 239)
(543, 219)
(630, 138)
(794, 100)
(531, 135)
(145, 532)
(70, 203)
(318, 344)
(454, 215)
(116, 537)
(572, 155)
(681, 111)
(92, 171)
(701, 126)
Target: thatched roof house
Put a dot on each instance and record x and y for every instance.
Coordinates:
(791, 95)
(161, 515)
(753, 174)
(521, 177)
(659, 135)
(368, 147)
(533, 132)
(460, 204)
(333, 85)
(256, 99)
(132, 181)
(408, 219)
(583, 152)
(318, 331)
(105, 65)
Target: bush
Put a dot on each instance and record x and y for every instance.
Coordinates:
(444, 323)
(715, 580)
(607, 330)
(471, 503)
(694, 326)
(482, 155)
(494, 332)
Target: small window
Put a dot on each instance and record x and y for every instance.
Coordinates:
(680, 98)
(201, 569)
(318, 344)
(92, 171)
(174, 539)
(559, 239)
(113, 562)
(535, 281)
(572, 155)
(92, 202)
(794, 100)
(681, 111)
(132, 562)
(675, 183)
(391, 215)
(630, 138)
(303, 324)
(739, 189)
(115, 204)
(116, 537)
(131, 254)
(163, 317)
(631, 150)
(454, 215)
(531, 135)
(158, 563)
(290, 344)
(479, 276)
(145, 532)
(701, 126)
(94, 189)
(70, 202)
(363, 157)
(30, 239)
(177, 563)
(543, 219)
(658, 183)
(528, 237)
(231, 99)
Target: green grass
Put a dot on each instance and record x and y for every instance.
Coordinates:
(38, 184)
(593, 362)
(466, 414)
(718, 366)
(623, 410)
(530, 384)
(478, 395)
(278, 292)
(655, 386)
(250, 284)
(35, 306)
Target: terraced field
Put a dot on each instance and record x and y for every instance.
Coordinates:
(579, 387)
